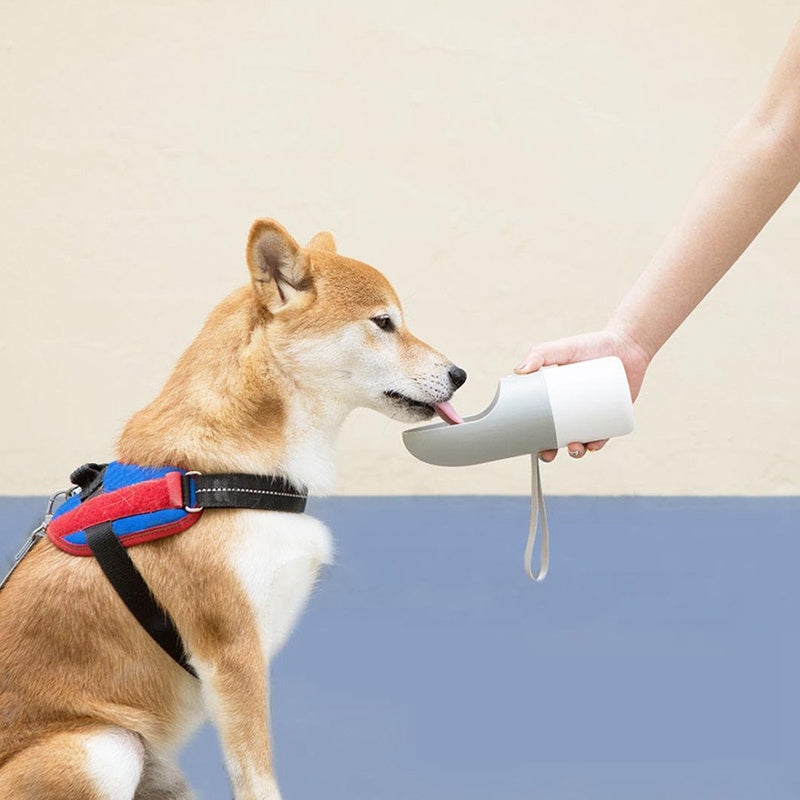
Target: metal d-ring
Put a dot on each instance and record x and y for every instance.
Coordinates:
(191, 509)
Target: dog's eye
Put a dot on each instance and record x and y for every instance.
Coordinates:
(384, 322)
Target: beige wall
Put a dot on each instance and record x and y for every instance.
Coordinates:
(511, 166)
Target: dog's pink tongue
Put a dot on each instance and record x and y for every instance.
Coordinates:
(448, 413)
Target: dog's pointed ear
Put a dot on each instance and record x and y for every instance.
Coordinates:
(322, 241)
(278, 266)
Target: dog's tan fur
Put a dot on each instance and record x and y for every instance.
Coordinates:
(83, 689)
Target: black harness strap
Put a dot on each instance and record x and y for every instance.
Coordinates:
(219, 490)
(129, 584)
(90, 478)
(242, 490)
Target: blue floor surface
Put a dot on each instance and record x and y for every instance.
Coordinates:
(659, 660)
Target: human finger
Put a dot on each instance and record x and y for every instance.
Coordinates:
(576, 449)
(560, 351)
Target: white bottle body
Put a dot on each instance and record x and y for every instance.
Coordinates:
(589, 400)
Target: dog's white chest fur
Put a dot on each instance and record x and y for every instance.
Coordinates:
(276, 559)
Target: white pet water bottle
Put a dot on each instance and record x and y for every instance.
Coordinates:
(544, 410)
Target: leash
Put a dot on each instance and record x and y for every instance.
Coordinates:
(116, 506)
(37, 533)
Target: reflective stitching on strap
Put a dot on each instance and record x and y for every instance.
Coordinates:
(250, 491)
(537, 500)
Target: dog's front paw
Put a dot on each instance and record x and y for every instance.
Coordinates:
(267, 789)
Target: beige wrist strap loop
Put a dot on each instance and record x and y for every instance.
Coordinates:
(537, 501)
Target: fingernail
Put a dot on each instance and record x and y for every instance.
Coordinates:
(573, 453)
(521, 366)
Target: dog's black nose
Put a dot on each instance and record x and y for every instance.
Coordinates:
(457, 376)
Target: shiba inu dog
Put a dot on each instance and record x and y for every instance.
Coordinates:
(90, 707)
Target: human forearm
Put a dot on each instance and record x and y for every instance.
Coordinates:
(755, 170)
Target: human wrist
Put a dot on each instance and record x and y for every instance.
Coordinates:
(631, 338)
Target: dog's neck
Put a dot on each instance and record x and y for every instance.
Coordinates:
(308, 457)
(227, 408)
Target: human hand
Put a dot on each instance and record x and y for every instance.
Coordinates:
(586, 346)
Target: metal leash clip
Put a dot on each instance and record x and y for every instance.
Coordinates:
(39, 532)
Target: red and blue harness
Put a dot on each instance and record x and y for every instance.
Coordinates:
(116, 506)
